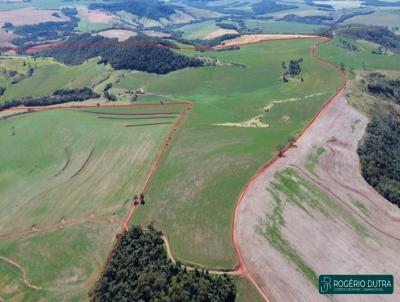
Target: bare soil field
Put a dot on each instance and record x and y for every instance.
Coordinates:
(11, 1)
(220, 32)
(96, 16)
(120, 34)
(244, 39)
(158, 34)
(29, 16)
(6, 38)
(350, 230)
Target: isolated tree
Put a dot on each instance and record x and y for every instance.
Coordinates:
(292, 141)
(281, 149)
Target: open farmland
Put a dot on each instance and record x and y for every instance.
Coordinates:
(312, 210)
(198, 30)
(62, 205)
(193, 194)
(29, 15)
(48, 76)
(363, 59)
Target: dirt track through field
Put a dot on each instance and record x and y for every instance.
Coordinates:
(192, 268)
(23, 271)
(60, 225)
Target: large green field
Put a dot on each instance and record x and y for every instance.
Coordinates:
(362, 59)
(281, 27)
(193, 194)
(67, 181)
(93, 164)
(47, 76)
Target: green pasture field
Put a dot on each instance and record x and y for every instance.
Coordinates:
(193, 194)
(85, 26)
(390, 18)
(281, 27)
(69, 165)
(363, 59)
(48, 76)
(198, 30)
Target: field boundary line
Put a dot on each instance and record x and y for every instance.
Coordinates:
(153, 169)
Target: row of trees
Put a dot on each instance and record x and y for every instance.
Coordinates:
(135, 56)
(59, 96)
(141, 271)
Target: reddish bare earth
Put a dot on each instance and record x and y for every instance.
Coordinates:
(350, 229)
(6, 38)
(29, 15)
(247, 39)
(96, 16)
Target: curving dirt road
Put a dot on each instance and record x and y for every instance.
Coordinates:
(192, 268)
(328, 246)
(23, 271)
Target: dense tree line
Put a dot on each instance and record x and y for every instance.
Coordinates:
(134, 57)
(307, 19)
(226, 25)
(152, 9)
(141, 271)
(378, 85)
(59, 96)
(380, 156)
(377, 34)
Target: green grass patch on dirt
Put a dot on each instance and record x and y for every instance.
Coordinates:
(360, 206)
(313, 159)
(306, 195)
(291, 187)
(271, 229)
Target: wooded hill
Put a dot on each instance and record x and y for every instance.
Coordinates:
(377, 34)
(133, 57)
(141, 271)
(380, 156)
